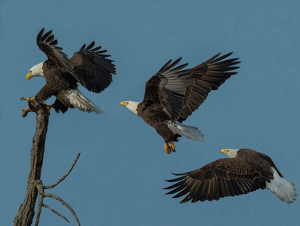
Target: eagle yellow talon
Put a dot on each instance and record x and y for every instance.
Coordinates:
(172, 146)
(169, 148)
(166, 148)
(48, 107)
(30, 101)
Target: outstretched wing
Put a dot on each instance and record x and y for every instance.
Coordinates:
(47, 44)
(167, 87)
(206, 77)
(93, 69)
(218, 179)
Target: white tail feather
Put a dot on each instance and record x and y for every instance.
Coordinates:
(190, 132)
(284, 189)
(78, 100)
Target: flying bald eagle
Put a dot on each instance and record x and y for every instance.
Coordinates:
(244, 171)
(172, 95)
(90, 67)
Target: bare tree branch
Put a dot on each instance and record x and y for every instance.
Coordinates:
(42, 194)
(25, 111)
(26, 211)
(40, 202)
(65, 204)
(35, 187)
(58, 214)
(31, 107)
(40, 187)
(61, 179)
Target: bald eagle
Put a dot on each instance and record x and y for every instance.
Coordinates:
(244, 171)
(172, 94)
(89, 66)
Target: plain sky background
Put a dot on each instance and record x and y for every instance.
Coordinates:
(119, 177)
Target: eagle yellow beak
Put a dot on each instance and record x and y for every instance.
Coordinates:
(124, 103)
(225, 151)
(29, 75)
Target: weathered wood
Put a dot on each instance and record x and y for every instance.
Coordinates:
(26, 210)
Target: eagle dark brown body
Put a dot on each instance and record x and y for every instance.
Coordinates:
(174, 93)
(89, 67)
(155, 117)
(247, 172)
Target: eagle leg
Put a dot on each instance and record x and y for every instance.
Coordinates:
(30, 101)
(172, 147)
(48, 107)
(166, 148)
(169, 148)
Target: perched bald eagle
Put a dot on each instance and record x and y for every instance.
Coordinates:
(244, 171)
(90, 67)
(172, 94)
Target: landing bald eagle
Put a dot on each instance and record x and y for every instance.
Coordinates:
(90, 67)
(244, 171)
(172, 95)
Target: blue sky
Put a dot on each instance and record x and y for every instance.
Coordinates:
(119, 177)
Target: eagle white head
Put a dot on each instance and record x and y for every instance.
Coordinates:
(131, 105)
(36, 70)
(231, 153)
